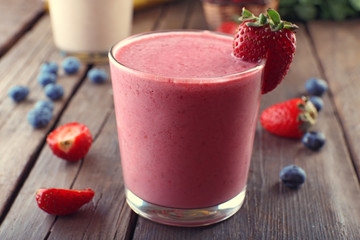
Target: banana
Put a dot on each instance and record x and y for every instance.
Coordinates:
(139, 4)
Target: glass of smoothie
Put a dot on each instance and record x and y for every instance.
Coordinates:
(88, 28)
(186, 112)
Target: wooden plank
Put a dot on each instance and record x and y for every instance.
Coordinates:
(19, 142)
(15, 18)
(174, 15)
(326, 207)
(196, 18)
(338, 48)
(145, 20)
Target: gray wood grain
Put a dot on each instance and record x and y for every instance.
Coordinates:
(16, 17)
(339, 58)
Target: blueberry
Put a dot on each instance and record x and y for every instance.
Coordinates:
(313, 140)
(316, 86)
(318, 102)
(97, 75)
(45, 78)
(39, 118)
(292, 176)
(71, 65)
(54, 91)
(49, 67)
(18, 93)
(41, 104)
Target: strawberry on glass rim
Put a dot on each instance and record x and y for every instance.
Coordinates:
(266, 37)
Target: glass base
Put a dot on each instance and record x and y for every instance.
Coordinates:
(90, 58)
(184, 217)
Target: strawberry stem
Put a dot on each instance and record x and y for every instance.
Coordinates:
(272, 18)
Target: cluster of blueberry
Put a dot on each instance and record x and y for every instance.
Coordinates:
(316, 87)
(294, 176)
(42, 112)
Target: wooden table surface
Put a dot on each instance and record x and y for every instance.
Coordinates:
(327, 206)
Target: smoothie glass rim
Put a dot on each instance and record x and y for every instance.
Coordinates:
(162, 78)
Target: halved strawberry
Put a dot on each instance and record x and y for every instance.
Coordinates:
(70, 142)
(62, 201)
(266, 37)
(291, 118)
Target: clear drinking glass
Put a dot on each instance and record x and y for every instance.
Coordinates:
(185, 142)
(88, 28)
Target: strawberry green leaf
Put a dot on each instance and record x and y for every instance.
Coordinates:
(263, 19)
(291, 27)
(274, 16)
(253, 24)
(278, 27)
(246, 13)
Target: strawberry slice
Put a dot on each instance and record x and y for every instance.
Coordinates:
(266, 37)
(290, 119)
(70, 142)
(62, 201)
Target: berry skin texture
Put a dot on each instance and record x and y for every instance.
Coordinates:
(62, 201)
(45, 78)
(266, 37)
(316, 86)
(41, 104)
(292, 176)
(54, 91)
(39, 118)
(228, 27)
(18, 93)
(97, 75)
(290, 119)
(71, 65)
(70, 142)
(49, 67)
(318, 102)
(314, 140)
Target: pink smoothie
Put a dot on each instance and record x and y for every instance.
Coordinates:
(186, 114)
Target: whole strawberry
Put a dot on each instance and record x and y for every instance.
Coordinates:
(62, 201)
(266, 37)
(70, 142)
(291, 118)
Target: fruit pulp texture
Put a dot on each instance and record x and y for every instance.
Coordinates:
(185, 116)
